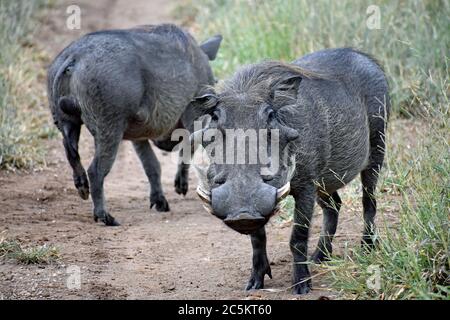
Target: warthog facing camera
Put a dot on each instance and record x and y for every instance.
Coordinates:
(330, 109)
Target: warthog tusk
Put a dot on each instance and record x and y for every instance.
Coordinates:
(205, 196)
(283, 192)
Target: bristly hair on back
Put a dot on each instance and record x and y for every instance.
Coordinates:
(256, 80)
(168, 29)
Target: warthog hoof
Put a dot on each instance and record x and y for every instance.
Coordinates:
(257, 278)
(83, 192)
(107, 219)
(82, 185)
(302, 287)
(160, 203)
(181, 184)
(369, 242)
(319, 256)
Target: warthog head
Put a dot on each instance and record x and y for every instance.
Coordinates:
(249, 144)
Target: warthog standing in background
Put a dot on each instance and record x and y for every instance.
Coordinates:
(330, 109)
(130, 84)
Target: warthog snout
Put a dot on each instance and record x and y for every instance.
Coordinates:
(244, 212)
(245, 222)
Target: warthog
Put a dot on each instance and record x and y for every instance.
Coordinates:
(130, 84)
(329, 110)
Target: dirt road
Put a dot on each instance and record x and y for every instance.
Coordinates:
(185, 253)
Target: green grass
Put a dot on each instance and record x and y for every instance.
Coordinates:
(414, 256)
(24, 120)
(12, 250)
(413, 45)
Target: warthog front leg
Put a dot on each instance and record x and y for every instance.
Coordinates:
(261, 265)
(304, 207)
(181, 182)
(71, 136)
(330, 206)
(182, 179)
(106, 147)
(153, 171)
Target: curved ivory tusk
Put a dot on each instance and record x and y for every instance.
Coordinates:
(283, 192)
(205, 196)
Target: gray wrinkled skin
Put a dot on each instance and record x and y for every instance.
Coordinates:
(130, 84)
(331, 108)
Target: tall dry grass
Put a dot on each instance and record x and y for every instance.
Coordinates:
(23, 115)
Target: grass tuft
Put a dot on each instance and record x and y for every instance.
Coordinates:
(12, 250)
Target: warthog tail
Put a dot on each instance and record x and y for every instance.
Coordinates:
(65, 70)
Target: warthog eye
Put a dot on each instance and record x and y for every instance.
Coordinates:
(271, 116)
(267, 178)
(215, 116)
(219, 179)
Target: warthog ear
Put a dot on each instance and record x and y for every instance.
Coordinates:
(207, 100)
(211, 46)
(286, 87)
(287, 132)
(199, 106)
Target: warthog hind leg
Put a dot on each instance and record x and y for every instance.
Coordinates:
(369, 178)
(182, 179)
(106, 147)
(330, 205)
(71, 136)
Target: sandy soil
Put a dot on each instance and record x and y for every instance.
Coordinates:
(182, 254)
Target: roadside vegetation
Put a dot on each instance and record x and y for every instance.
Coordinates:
(412, 43)
(24, 120)
(12, 250)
